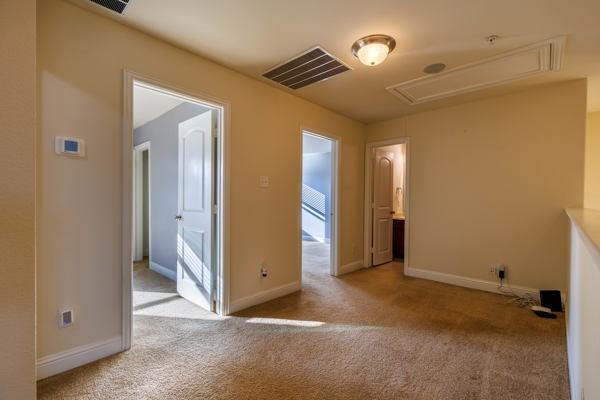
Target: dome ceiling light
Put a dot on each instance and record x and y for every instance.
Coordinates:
(373, 49)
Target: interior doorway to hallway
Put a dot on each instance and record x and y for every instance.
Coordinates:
(319, 203)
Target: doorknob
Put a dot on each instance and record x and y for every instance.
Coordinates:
(178, 217)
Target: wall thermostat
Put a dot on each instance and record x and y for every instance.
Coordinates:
(69, 146)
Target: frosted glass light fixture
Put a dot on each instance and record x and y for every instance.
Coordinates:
(373, 49)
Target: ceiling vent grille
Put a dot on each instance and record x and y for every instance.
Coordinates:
(310, 67)
(514, 65)
(113, 5)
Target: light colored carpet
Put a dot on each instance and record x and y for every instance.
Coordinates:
(372, 334)
(315, 257)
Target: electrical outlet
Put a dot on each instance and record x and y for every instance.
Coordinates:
(65, 318)
(498, 271)
(264, 272)
(502, 272)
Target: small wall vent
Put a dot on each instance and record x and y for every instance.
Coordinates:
(312, 66)
(113, 5)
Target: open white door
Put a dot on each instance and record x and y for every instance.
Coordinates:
(195, 266)
(383, 207)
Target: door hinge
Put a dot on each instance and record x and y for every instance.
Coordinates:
(214, 306)
(215, 208)
(372, 250)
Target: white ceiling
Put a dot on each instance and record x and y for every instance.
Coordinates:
(252, 36)
(149, 104)
(313, 145)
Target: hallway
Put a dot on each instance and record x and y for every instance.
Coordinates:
(369, 334)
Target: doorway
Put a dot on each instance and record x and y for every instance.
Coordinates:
(141, 199)
(386, 202)
(318, 204)
(177, 204)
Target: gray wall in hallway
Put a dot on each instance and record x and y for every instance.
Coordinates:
(163, 133)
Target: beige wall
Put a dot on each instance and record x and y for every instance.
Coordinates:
(17, 199)
(592, 161)
(81, 61)
(489, 180)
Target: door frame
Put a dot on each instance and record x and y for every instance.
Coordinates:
(222, 255)
(368, 224)
(336, 145)
(138, 218)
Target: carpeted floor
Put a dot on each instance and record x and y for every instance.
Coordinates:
(315, 257)
(371, 334)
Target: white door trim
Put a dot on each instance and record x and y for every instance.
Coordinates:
(223, 192)
(368, 228)
(138, 199)
(336, 147)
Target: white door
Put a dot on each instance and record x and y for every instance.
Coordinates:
(195, 269)
(383, 207)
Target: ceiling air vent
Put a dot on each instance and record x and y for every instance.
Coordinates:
(310, 67)
(493, 71)
(114, 5)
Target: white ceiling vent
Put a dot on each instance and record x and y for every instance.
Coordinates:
(507, 67)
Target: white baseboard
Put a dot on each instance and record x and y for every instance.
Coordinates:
(265, 295)
(472, 283)
(69, 359)
(164, 271)
(351, 267)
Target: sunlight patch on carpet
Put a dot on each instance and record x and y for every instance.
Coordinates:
(287, 322)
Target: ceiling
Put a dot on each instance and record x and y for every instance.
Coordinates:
(149, 104)
(315, 145)
(252, 36)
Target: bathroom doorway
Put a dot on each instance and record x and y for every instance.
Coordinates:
(386, 200)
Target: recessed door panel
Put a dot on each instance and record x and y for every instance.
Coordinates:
(383, 235)
(193, 170)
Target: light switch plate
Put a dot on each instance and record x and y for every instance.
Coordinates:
(263, 181)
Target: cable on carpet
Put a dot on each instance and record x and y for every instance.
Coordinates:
(524, 301)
